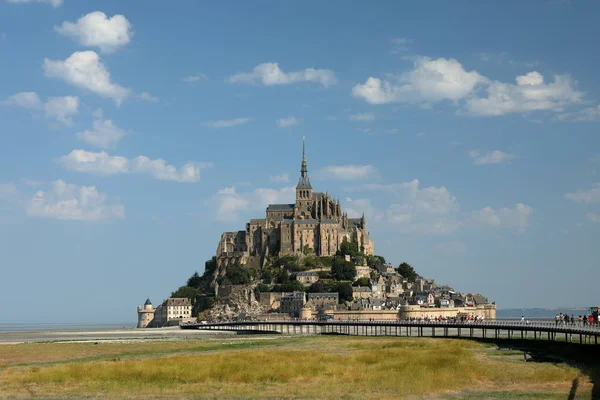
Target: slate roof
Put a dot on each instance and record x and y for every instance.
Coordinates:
(479, 299)
(280, 207)
(307, 273)
(304, 183)
(148, 302)
(328, 221)
(178, 301)
(306, 221)
(361, 289)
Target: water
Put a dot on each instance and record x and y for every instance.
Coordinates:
(53, 327)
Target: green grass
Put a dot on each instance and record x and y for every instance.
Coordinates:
(310, 367)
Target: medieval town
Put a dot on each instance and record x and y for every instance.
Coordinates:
(308, 261)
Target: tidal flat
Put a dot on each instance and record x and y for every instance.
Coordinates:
(287, 367)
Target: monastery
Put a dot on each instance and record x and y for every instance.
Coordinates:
(315, 222)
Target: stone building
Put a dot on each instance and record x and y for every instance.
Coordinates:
(173, 311)
(292, 303)
(314, 221)
(145, 314)
(307, 278)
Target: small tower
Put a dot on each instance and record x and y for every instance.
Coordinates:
(145, 314)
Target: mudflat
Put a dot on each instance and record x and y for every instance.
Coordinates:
(202, 366)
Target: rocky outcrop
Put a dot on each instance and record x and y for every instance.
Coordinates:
(236, 300)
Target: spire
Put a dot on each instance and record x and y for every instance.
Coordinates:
(304, 182)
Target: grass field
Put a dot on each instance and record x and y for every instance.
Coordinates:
(284, 367)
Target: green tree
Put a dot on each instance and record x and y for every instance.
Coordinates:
(317, 287)
(266, 276)
(237, 275)
(293, 286)
(195, 280)
(407, 271)
(307, 250)
(210, 266)
(348, 249)
(363, 281)
(342, 270)
(186, 291)
(345, 292)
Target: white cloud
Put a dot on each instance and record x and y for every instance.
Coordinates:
(365, 117)
(62, 108)
(594, 217)
(584, 115)
(97, 30)
(400, 45)
(516, 218)
(355, 209)
(8, 189)
(270, 74)
(529, 94)
(227, 123)
(430, 80)
(431, 210)
(104, 134)
(586, 196)
(54, 3)
(287, 122)
(148, 97)
(283, 178)
(71, 202)
(347, 172)
(85, 70)
(25, 99)
(230, 203)
(494, 157)
(59, 108)
(194, 78)
(104, 164)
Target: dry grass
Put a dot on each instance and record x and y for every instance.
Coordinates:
(317, 367)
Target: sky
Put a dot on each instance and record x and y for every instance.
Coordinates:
(132, 134)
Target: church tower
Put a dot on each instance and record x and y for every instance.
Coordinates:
(304, 201)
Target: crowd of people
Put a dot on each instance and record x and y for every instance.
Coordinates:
(572, 320)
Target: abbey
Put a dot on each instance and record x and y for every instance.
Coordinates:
(315, 222)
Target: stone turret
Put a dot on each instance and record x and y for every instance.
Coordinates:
(145, 314)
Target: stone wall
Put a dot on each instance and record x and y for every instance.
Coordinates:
(488, 311)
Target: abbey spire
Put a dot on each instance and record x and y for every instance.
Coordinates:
(304, 182)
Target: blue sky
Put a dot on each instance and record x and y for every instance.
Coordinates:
(132, 135)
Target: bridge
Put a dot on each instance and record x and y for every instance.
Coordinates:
(492, 329)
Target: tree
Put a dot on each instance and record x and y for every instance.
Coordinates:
(292, 286)
(363, 281)
(345, 292)
(317, 287)
(407, 271)
(348, 249)
(237, 275)
(195, 280)
(210, 266)
(342, 270)
(307, 250)
(186, 291)
(266, 275)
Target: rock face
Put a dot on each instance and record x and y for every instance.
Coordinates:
(236, 299)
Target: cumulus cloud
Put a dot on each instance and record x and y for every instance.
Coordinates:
(431, 210)
(494, 157)
(97, 30)
(270, 74)
(148, 97)
(227, 123)
(589, 196)
(194, 78)
(62, 108)
(104, 134)
(104, 164)
(430, 80)
(230, 203)
(365, 117)
(25, 99)
(54, 3)
(585, 115)
(516, 218)
(85, 70)
(356, 207)
(529, 94)
(400, 45)
(347, 172)
(66, 201)
(282, 178)
(434, 80)
(287, 122)
(59, 108)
